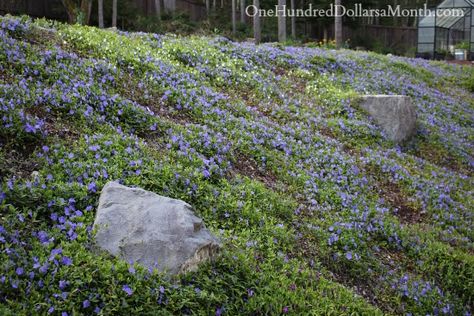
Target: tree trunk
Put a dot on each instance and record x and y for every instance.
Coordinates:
(257, 31)
(281, 21)
(302, 5)
(100, 11)
(208, 7)
(73, 10)
(395, 19)
(114, 13)
(158, 9)
(338, 25)
(242, 11)
(85, 9)
(234, 17)
(170, 6)
(89, 11)
(293, 19)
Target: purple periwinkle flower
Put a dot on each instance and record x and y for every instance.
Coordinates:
(54, 253)
(43, 237)
(127, 290)
(92, 187)
(66, 261)
(86, 304)
(63, 284)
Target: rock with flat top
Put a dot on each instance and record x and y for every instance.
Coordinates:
(395, 114)
(155, 231)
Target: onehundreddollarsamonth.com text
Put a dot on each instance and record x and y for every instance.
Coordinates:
(357, 10)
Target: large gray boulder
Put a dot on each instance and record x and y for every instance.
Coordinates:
(395, 114)
(155, 231)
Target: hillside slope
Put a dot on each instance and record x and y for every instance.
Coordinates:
(318, 213)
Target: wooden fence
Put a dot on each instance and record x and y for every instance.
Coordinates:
(53, 8)
(36, 8)
(394, 38)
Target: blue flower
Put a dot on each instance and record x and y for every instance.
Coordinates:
(127, 290)
(54, 253)
(63, 284)
(66, 261)
(92, 187)
(206, 173)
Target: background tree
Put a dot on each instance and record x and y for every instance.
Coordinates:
(170, 6)
(158, 9)
(114, 13)
(100, 12)
(338, 25)
(281, 21)
(234, 17)
(78, 12)
(242, 11)
(257, 31)
(293, 19)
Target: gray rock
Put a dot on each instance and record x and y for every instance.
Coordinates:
(395, 114)
(155, 231)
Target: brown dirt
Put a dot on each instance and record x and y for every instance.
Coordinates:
(155, 103)
(307, 248)
(406, 212)
(247, 166)
(442, 158)
(326, 131)
(18, 163)
(461, 62)
(5, 77)
(280, 71)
